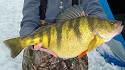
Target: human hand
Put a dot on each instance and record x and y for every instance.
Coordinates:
(43, 22)
(39, 47)
(84, 14)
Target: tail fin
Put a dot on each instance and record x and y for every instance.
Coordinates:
(14, 45)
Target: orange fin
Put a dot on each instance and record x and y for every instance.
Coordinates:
(82, 54)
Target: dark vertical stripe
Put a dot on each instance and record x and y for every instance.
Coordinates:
(59, 33)
(90, 22)
(70, 26)
(40, 37)
(49, 36)
(100, 22)
(76, 28)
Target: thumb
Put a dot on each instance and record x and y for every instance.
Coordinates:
(38, 46)
(84, 14)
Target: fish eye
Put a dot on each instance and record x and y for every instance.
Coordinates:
(112, 23)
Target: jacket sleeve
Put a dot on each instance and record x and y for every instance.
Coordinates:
(93, 8)
(31, 18)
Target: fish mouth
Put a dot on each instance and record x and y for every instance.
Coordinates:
(119, 28)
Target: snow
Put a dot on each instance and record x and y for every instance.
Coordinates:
(97, 62)
(10, 17)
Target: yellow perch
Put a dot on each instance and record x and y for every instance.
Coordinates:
(71, 36)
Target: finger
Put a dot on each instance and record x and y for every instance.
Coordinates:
(38, 46)
(83, 13)
(49, 51)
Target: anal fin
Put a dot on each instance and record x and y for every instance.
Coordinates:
(82, 54)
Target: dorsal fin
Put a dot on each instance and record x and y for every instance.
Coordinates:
(70, 13)
(40, 29)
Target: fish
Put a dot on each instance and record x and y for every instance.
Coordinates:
(71, 36)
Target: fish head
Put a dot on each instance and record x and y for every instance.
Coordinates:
(107, 29)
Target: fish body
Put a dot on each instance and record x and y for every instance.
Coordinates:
(69, 38)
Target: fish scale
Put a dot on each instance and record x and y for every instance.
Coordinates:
(71, 40)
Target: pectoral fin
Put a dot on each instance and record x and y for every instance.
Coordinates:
(92, 44)
(82, 54)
